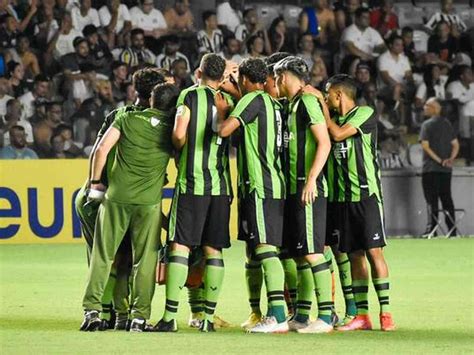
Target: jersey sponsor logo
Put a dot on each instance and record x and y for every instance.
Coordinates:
(299, 246)
(376, 236)
(341, 149)
(154, 121)
(279, 125)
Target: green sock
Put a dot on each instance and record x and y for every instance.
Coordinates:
(196, 299)
(305, 292)
(254, 281)
(360, 288)
(328, 257)
(382, 287)
(176, 275)
(274, 280)
(291, 280)
(344, 266)
(213, 277)
(322, 283)
(108, 296)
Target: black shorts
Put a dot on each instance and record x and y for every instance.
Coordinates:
(362, 226)
(200, 220)
(304, 226)
(261, 220)
(332, 223)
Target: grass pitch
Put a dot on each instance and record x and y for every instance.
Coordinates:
(432, 299)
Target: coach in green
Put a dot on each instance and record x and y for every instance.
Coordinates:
(305, 210)
(132, 202)
(354, 180)
(200, 210)
(261, 182)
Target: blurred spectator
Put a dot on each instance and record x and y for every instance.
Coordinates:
(15, 75)
(8, 31)
(98, 50)
(171, 53)
(383, 19)
(84, 15)
(231, 50)
(279, 39)
(210, 39)
(17, 148)
(130, 95)
(182, 77)
(318, 73)
(47, 26)
(115, 19)
(63, 42)
(360, 40)
(43, 130)
(71, 148)
(13, 117)
(179, 18)
(306, 48)
(447, 15)
(137, 54)
(442, 43)
(432, 86)
(440, 148)
(408, 44)
(255, 47)
(149, 19)
(4, 98)
(40, 93)
(22, 53)
(345, 12)
(228, 15)
(252, 27)
(395, 78)
(119, 79)
(57, 150)
(363, 77)
(319, 21)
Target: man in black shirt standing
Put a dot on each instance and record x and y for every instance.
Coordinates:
(440, 148)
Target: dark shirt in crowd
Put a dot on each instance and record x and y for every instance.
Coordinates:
(445, 50)
(439, 133)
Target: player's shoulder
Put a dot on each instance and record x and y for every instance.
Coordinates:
(363, 111)
(250, 96)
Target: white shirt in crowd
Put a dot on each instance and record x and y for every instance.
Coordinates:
(53, 28)
(147, 22)
(236, 58)
(227, 16)
(164, 61)
(64, 43)
(450, 19)
(123, 15)
(3, 104)
(28, 131)
(440, 93)
(212, 44)
(397, 67)
(465, 96)
(241, 33)
(461, 93)
(365, 40)
(79, 21)
(28, 102)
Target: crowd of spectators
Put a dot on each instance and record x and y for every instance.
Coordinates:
(65, 64)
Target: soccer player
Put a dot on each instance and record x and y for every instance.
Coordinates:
(132, 202)
(116, 290)
(200, 209)
(305, 210)
(261, 182)
(354, 169)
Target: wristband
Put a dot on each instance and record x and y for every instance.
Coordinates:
(95, 181)
(95, 194)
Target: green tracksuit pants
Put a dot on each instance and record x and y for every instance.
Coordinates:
(143, 222)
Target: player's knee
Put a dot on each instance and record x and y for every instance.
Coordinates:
(179, 247)
(210, 251)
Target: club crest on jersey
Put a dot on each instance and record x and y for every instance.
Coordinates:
(154, 121)
(340, 149)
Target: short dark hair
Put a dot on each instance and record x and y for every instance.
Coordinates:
(360, 11)
(275, 58)
(254, 69)
(89, 30)
(117, 64)
(40, 78)
(251, 40)
(18, 128)
(407, 29)
(227, 39)
(145, 80)
(206, 14)
(137, 31)
(165, 72)
(345, 82)
(295, 65)
(165, 96)
(212, 66)
(247, 11)
(63, 127)
(393, 38)
(179, 60)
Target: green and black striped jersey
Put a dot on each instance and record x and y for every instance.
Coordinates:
(203, 167)
(304, 111)
(260, 146)
(353, 172)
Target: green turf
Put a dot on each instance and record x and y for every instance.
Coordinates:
(432, 303)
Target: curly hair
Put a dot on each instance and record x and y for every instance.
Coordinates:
(254, 69)
(212, 66)
(145, 80)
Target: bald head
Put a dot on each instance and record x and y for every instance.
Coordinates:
(432, 107)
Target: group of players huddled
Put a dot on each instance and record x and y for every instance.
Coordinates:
(308, 189)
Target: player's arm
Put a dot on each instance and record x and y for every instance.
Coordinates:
(99, 157)
(320, 134)
(180, 129)
(339, 134)
(427, 149)
(225, 126)
(454, 153)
